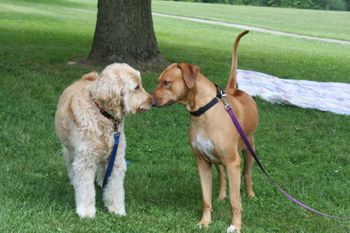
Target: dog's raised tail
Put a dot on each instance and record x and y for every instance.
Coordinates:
(233, 73)
(92, 76)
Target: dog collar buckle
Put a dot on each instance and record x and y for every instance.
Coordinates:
(115, 126)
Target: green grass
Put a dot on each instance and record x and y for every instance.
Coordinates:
(329, 24)
(307, 151)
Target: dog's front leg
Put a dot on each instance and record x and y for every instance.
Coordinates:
(83, 182)
(234, 177)
(113, 193)
(205, 176)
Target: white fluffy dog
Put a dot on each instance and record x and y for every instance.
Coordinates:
(87, 136)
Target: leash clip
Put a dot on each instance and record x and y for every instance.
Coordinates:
(227, 106)
(222, 95)
(225, 101)
(115, 126)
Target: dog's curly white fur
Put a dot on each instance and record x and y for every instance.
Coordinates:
(87, 136)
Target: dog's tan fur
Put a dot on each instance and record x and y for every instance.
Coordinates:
(213, 137)
(87, 136)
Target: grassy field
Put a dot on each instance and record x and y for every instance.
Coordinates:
(307, 151)
(329, 24)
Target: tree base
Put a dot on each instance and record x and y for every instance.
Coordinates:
(124, 33)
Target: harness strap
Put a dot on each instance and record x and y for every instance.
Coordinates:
(255, 156)
(111, 160)
(115, 146)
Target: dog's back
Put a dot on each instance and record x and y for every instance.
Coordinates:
(245, 108)
(66, 119)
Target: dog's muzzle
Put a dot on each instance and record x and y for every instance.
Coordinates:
(154, 102)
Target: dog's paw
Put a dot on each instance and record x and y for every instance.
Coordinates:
(222, 197)
(251, 195)
(117, 211)
(86, 212)
(203, 224)
(232, 229)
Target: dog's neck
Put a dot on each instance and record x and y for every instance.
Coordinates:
(117, 114)
(201, 94)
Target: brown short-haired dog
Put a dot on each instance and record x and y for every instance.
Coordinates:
(212, 135)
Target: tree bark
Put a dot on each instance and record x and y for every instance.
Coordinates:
(124, 33)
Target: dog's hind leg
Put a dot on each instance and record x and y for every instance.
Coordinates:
(83, 180)
(234, 178)
(247, 171)
(68, 156)
(222, 177)
(100, 173)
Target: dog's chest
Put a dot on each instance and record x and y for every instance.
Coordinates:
(104, 146)
(205, 146)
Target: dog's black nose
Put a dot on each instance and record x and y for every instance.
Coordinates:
(154, 102)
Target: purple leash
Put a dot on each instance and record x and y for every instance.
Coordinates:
(252, 152)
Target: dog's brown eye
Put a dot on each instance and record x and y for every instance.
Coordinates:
(165, 83)
(137, 87)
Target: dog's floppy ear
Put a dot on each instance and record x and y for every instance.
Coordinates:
(189, 73)
(107, 90)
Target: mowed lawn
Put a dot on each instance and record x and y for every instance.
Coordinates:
(306, 151)
(319, 23)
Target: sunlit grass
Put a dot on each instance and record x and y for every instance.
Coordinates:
(320, 23)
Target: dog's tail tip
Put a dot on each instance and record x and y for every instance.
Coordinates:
(244, 32)
(233, 73)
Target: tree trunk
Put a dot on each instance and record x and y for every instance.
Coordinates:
(124, 33)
